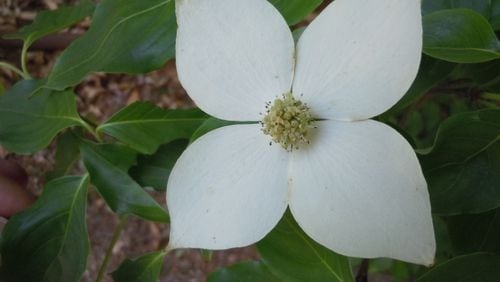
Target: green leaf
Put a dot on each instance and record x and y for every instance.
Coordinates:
(444, 248)
(49, 241)
(297, 33)
(144, 126)
(288, 254)
(153, 171)
(487, 75)
(495, 14)
(2, 89)
(48, 22)
(244, 272)
(28, 124)
(470, 268)
(475, 232)
(462, 168)
(461, 36)
(430, 73)
(107, 165)
(68, 153)
(146, 268)
(295, 10)
(291, 255)
(489, 9)
(209, 125)
(483, 7)
(126, 36)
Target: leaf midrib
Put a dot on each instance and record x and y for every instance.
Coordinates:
(41, 116)
(138, 121)
(99, 48)
(470, 157)
(152, 262)
(70, 217)
(490, 51)
(132, 205)
(328, 267)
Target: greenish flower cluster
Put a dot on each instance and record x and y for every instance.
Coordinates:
(288, 121)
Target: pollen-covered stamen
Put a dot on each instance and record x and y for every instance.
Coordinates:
(288, 121)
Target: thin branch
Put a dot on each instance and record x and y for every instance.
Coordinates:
(49, 43)
(14, 69)
(362, 275)
(109, 252)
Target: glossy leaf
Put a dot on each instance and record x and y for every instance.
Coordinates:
(28, 124)
(487, 75)
(288, 254)
(489, 9)
(68, 152)
(49, 241)
(107, 165)
(463, 167)
(153, 171)
(470, 268)
(475, 232)
(295, 10)
(144, 126)
(431, 72)
(209, 125)
(126, 36)
(495, 14)
(483, 7)
(291, 255)
(146, 268)
(444, 250)
(48, 22)
(461, 36)
(244, 272)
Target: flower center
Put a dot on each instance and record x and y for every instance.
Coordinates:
(287, 121)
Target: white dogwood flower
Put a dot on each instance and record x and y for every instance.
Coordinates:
(353, 184)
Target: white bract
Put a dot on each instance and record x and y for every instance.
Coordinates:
(357, 187)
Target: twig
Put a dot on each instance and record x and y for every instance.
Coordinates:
(362, 275)
(51, 42)
(14, 69)
(109, 252)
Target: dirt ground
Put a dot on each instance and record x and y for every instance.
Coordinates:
(100, 96)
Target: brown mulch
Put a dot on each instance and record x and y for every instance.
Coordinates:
(100, 96)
